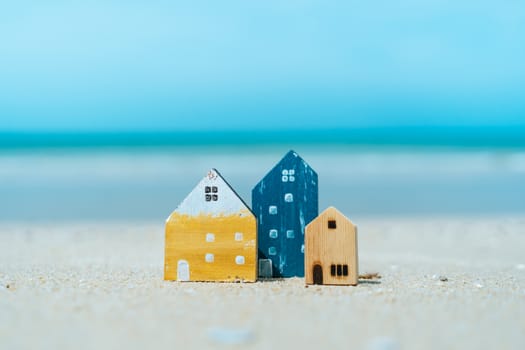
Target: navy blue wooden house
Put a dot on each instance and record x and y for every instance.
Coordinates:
(284, 202)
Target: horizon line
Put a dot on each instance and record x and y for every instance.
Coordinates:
(422, 136)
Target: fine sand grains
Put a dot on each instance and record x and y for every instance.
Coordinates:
(454, 283)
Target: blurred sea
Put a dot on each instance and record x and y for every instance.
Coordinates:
(143, 177)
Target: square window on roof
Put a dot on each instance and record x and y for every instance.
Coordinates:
(288, 197)
(285, 172)
(214, 189)
(291, 178)
(290, 234)
(332, 224)
(210, 237)
(272, 251)
(214, 197)
(207, 189)
(208, 197)
(209, 258)
(238, 236)
(272, 210)
(273, 233)
(284, 178)
(291, 172)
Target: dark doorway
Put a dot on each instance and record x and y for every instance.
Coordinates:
(318, 274)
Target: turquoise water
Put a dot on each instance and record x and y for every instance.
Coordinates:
(415, 136)
(147, 183)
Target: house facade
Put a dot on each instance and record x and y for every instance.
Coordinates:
(331, 250)
(284, 202)
(211, 236)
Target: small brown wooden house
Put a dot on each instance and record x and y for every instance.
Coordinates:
(331, 250)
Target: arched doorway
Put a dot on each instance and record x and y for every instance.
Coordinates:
(183, 270)
(318, 274)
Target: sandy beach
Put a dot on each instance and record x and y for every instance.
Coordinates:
(118, 119)
(447, 283)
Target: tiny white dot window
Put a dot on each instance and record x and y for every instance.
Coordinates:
(288, 197)
(238, 236)
(209, 258)
(273, 234)
(290, 234)
(272, 209)
(239, 260)
(272, 251)
(210, 237)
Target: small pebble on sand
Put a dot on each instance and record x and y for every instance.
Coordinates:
(442, 278)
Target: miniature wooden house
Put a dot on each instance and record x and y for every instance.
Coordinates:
(211, 236)
(284, 201)
(331, 250)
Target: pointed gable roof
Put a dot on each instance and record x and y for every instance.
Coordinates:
(228, 202)
(331, 213)
(290, 157)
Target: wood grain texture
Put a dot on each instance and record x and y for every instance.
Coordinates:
(211, 238)
(331, 249)
(284, 201)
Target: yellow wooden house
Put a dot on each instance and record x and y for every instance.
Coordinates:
(211, 236)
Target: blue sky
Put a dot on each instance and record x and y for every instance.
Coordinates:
(171, 65)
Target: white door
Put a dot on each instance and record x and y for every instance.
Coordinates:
(183, 270)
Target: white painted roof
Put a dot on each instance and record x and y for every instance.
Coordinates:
(228, 202)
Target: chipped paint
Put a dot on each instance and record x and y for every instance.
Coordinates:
(229, 202)
(215, 237)
(296, 203)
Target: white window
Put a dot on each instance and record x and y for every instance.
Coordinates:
(273, 234)
(209, 258)
(288, 197)
(210, 237)
(288, 175)
(272, 209)
(239, 260)
(302, 249)
(290, 234)
(272, 251)
(238, 236)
